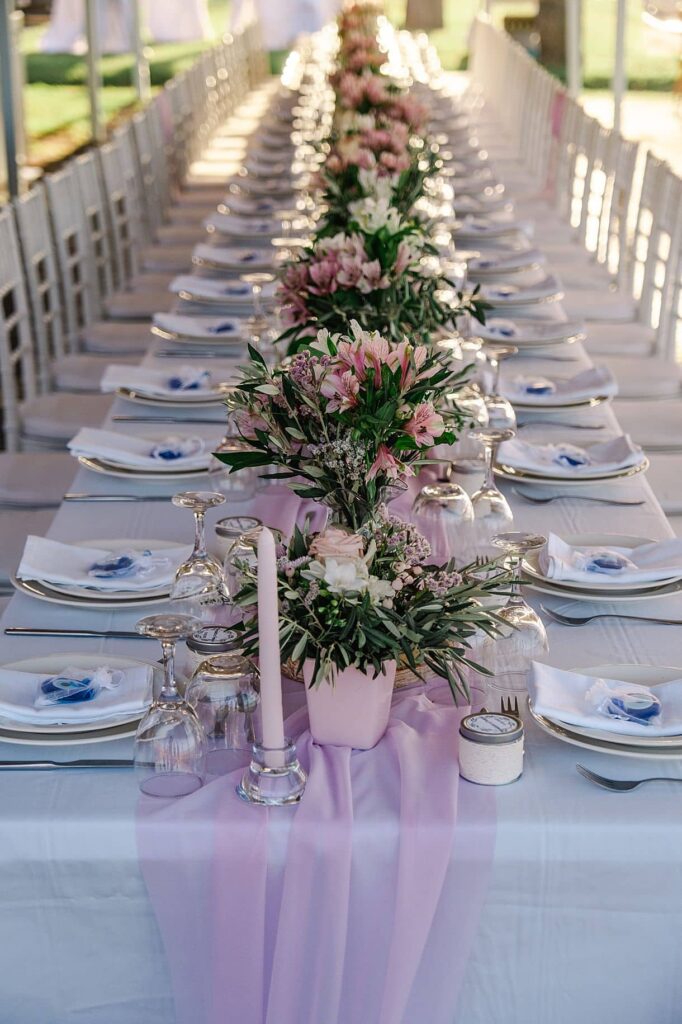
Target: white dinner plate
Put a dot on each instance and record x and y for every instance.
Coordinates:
(526, 333)
(602, 584)
(579, 403)
(140, 397)
(601, 597)
(485, 266)
(506, 472)
(53, 663)
(81, 597)
(505, 294)
(220, 257)
(599, 740)
(108, 468)
(218, 330)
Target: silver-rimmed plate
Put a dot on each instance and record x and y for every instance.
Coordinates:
(45, 592)
(98, 465)
(131, 395)
(549, 406)
(602, 584)
(505, 472)
(506, 295)
(598, 740)
(528, 333)
(53, 663)
(601, 597)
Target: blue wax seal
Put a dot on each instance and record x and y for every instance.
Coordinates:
(608, 562)
(118, 566)
(571, 457)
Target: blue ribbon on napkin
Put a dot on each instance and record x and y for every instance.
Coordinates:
(120, 565)
(172, 448)
(75, 687)
(189, 380)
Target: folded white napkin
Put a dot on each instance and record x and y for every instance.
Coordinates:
(247, 227)
(570, 461)
(220, 328)
(241, 259)
(500, 261)
(171, 452)
(43, 698)
(647, 563)
(539, 390)
(504, 292)
(227, 291)
(181, 382)
(577, 699)
(135, 568)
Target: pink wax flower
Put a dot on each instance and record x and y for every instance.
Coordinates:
(426, 424)
(384, 463)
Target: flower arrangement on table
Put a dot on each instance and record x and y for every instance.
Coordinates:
(347, 420)
(382, 271)
(371, 597)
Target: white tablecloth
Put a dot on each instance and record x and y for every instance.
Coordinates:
(584, 910)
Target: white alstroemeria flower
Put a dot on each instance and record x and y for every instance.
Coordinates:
(373, 214)
(379, 590)
(346, 575)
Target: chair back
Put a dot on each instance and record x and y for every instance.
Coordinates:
(18, 379)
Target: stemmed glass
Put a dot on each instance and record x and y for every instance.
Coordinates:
(527, 638)
(444, 514)
(491, 509)
(170, 745)
(200, 579)
(262, 334)
(500, 410)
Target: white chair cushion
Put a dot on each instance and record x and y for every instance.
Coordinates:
(170, 258)
(651, 422)
(115, 338)
(14, 528)
(600, 305)
(139, 305)
(82, 372)
(640, 377)
(619, 339)
(665, 476)
(56, 417)
(35, 476)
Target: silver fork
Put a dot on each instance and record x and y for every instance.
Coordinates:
(509, 707)
(620, 785)
(581, 620)
(536, 499)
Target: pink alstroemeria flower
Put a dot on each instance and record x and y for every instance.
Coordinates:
(342, 390)
(384, 463)
(426, 425)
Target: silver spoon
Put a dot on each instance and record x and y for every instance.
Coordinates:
(621, 785)
(581, 620)
(560, 423)
(536, 499)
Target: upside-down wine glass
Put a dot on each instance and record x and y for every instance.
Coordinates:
(444, 514)
(500, 410)
(170, 745)
(513, 652)
(199, 581)
(491, 509)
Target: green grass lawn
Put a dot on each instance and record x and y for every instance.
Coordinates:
(56, 98)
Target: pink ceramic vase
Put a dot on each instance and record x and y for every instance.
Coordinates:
(353, 709)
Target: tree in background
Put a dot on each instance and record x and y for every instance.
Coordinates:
(551, 24)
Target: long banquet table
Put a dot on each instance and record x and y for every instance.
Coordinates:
(583, 907)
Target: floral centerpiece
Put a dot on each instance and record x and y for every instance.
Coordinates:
(353, 605)
(381, 271)
(347, 419)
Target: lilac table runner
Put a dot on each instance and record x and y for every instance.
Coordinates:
(331, 912)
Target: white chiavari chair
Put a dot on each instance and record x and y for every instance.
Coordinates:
(59, 367)
(32, 416)
(82, 247)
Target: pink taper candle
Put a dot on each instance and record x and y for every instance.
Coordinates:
(272, 714)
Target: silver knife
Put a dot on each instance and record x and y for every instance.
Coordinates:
(74, 496)
(190, 353)
(167, 419)
(49, 766)
(118, 634)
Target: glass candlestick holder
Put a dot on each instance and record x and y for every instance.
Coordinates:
(274, 777)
